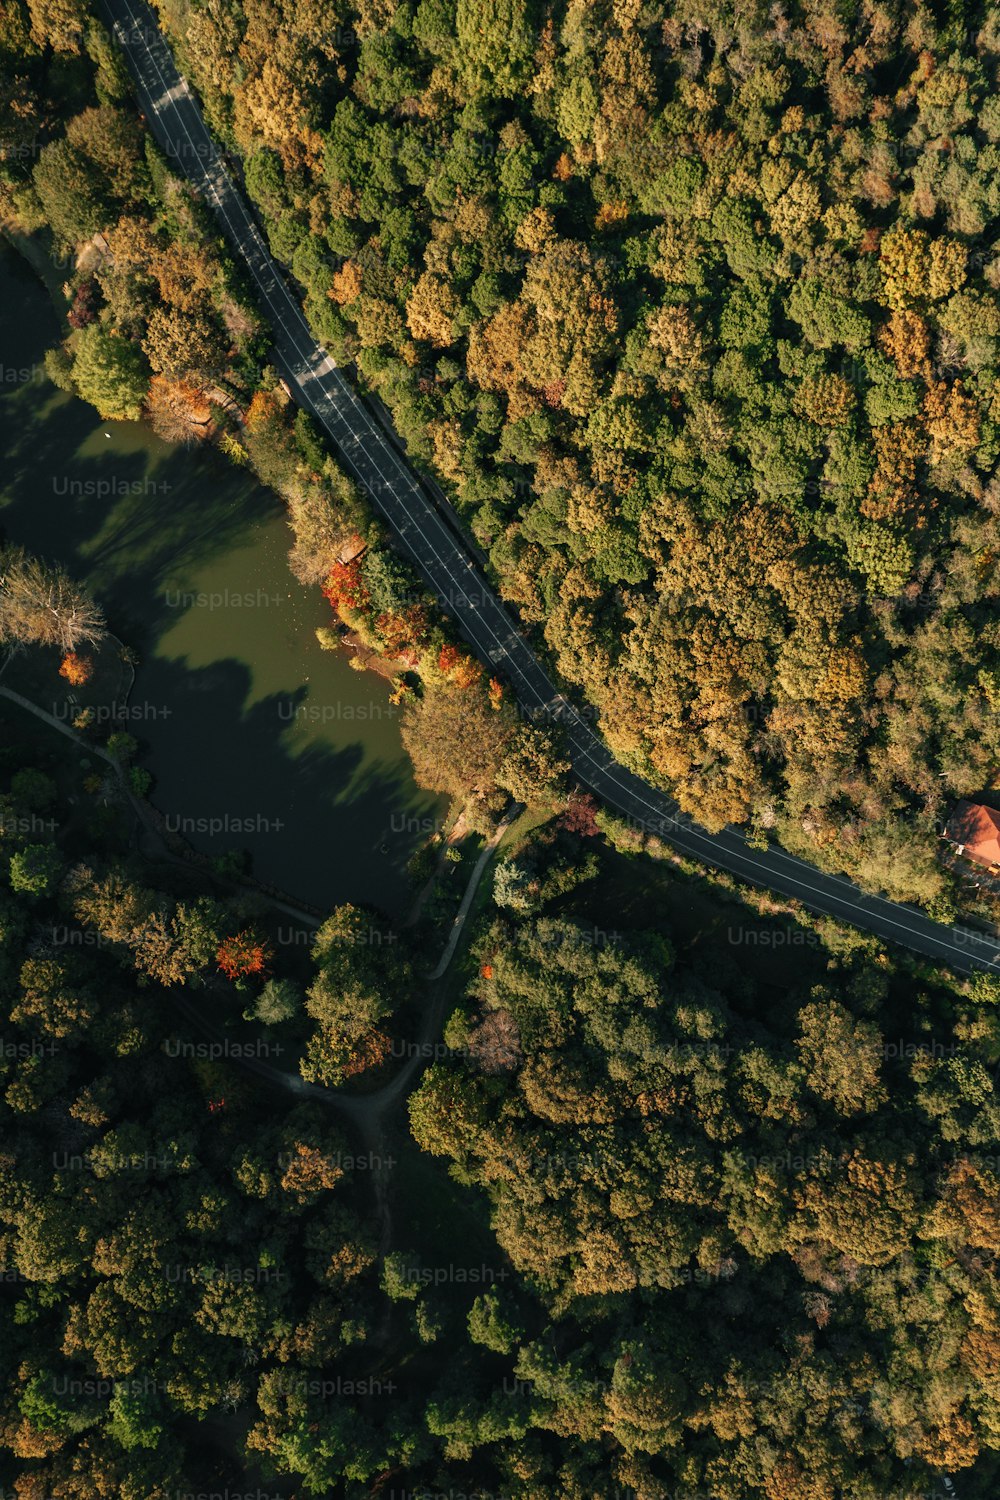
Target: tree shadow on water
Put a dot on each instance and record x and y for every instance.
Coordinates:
(133, 518)
(314, 819)
(126, 523)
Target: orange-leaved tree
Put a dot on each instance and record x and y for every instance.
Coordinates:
(76, 669)
(372, 1050)
(242, 954)
(344, 587)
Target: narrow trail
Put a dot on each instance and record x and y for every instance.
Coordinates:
(144, 817)
(366, 1112)
(369, 1113)
(463, 911)
(54, 723)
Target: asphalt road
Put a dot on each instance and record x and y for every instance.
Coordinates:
(445, 561)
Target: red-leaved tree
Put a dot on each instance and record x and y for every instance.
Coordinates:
(344, 587)
(242, 954)
(579, 815)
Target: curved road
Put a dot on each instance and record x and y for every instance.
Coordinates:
(443, 558)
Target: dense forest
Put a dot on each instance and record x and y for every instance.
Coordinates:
(695, 309)
(760, 1218)
(725, 1182)
(171, 1252)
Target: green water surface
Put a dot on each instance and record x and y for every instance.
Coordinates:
(243, 720)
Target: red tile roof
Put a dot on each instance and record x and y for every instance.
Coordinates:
(976, 829)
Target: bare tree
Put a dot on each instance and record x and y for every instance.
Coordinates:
(179, 410)
(40, 605)
(495, 1043)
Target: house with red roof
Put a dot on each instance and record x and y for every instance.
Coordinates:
(975, 832)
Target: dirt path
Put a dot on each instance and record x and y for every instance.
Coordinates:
(143, 815)
(463, 911)
(366, 1112)
(455, 834)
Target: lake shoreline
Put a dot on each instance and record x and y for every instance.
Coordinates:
(245, 722)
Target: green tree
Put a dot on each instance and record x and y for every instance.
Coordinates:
(110, 373)
(35, 869)
(491, 1325)
(842, 1056)
(495, 43)
(134, 1416)
(279, 1000)
(73, 192)
(360, 980)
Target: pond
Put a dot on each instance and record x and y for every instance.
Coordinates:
(256, 738)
